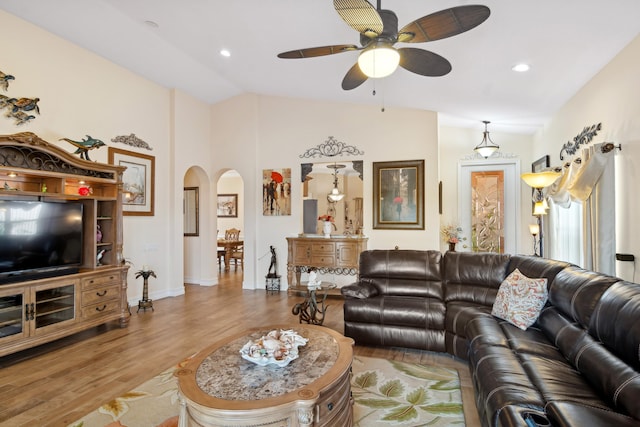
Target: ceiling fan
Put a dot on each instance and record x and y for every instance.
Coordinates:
(378, 30)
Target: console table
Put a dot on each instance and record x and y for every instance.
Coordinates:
(219, 388)
(338, 255)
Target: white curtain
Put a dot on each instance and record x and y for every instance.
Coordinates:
(592, 183)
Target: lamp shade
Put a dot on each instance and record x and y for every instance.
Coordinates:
(534, 229)
(335, 195)
(538, 209)
(540, 179)
(378, 60)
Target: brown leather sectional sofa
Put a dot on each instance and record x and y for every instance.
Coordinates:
(578, 365)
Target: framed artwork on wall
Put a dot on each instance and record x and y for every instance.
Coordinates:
(138, 181)
(398, 195)
(227, 205)
(191, 210)
(276, 192)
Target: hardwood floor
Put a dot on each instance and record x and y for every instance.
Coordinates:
(57, 383)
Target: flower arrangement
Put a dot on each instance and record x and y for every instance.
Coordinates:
(451, 233)
(326, 218)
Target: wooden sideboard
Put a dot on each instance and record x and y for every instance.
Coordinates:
(338, 255)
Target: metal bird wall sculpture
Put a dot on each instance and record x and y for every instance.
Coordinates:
(84, 146)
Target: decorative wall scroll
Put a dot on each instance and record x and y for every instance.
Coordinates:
(138, 181)
(583, 137)
(331, 148)
(132, 140)
(398, 195)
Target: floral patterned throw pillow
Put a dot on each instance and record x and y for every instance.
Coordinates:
(520, 299)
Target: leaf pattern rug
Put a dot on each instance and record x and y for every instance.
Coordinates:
(385, 392)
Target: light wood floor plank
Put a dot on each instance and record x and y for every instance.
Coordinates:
(57, 383)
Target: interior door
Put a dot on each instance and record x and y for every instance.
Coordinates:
(488, 205)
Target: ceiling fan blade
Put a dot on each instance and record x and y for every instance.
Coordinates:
(423, 62)
(360, 15)
(353, 78)
(317, 51)
(443, 24)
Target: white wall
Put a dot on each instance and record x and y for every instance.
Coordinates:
(455, 145)
(610, 98)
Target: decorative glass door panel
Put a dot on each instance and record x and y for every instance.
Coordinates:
(487, 211)
(55, 305)
(11, 315)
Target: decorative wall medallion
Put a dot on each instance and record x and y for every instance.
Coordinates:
(583, 137)
(331, 148)
(132, 140)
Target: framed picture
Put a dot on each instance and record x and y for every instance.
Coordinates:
(276, 192)
(538, 166)
(138, 181)
(398, 195)
(191, 212)
(227, 205)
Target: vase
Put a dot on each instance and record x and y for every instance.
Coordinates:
(452, 247)
(326, 228)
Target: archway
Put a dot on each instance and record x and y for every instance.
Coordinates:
(230, 211)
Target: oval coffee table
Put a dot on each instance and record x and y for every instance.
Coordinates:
(219, 388)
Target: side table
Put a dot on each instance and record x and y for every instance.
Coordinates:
(312, 310)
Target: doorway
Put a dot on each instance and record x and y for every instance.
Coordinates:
(488, 204)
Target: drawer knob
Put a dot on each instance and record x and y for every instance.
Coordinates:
(330, 406)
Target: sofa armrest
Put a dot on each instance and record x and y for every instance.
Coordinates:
(359, 290)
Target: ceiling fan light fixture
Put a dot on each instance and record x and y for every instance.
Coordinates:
(379, 60)
(486, 147)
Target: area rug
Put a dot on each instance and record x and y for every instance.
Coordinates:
(385, 392)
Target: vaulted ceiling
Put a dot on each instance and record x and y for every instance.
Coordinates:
(177, 44)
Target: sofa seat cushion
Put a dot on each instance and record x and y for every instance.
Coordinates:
(557, 380)
(569, 414)
(395, 336)
(520, 299)
(492, 331)
(427, 313)
(459, 314)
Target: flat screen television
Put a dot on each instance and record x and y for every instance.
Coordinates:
(39, 239)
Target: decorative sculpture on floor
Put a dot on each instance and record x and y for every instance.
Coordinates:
(84, 146)
(273, 265)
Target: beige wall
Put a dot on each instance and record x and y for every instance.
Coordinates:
(611, 98)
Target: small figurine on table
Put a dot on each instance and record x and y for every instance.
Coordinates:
(273, 265)
(313, 279)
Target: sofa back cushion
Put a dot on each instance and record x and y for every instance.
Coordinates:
(576, 291)
(535, 266)
(474, 277)
(402, 272)
(616, 322)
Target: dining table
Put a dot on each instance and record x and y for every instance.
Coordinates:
(229, 246)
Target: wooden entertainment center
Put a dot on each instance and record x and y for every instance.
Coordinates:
(39, 310)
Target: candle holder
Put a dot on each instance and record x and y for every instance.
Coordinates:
(145, 302)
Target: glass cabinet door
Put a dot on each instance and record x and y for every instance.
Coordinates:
(54, 305)
(12, 315)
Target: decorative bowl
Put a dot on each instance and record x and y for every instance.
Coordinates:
(278, 347)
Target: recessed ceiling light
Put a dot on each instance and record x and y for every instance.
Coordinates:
(152, 24)
(520, 68)
(225, 53)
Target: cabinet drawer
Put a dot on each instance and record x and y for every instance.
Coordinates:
(90, 282)
(336, 400)
(318, 260)
(322, 248)
(100, 309)
(100, 294)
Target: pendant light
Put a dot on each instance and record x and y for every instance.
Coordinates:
(487, 147)
(335, 195)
